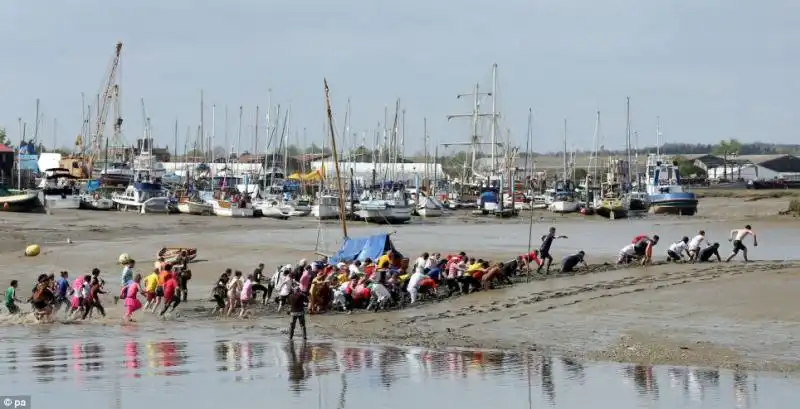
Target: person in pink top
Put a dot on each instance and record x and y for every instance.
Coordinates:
(132, 303)
(305, 280)
(246, 295)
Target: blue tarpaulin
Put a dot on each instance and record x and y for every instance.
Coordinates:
(362, 248)
(92, 185)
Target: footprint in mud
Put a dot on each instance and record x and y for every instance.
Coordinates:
(467, 325)
(509, 305)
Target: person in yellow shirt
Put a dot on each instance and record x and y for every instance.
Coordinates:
(386, 260)
(166, 270)
(150, 285)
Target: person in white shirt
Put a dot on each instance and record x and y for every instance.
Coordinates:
(284, 288)
(627, 254)
(419, 265)
(737, 236)
(380, 297)
(694, 244)
(234, 292)
(355, 269)
(676, 250)
(413, 285)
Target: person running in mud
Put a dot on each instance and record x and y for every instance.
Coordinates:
(570, 262)
(260, 283)
(695, 243)
(62, 292)
(11, 297)
(220, 292)
(676, 250)
(544, 250)
(184, 275)
(708, 252)
(172, 295)
(92, 301)
(297, 304)
(737, 236)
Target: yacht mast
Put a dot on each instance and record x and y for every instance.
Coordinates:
(494, 118)
(335, 159)
(565, 150)
(475, 115)
(628, 139)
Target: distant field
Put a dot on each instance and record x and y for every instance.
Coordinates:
(554, 162)
(750, 194)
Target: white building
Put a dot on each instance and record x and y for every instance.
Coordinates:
(400, 172)
(752, 167)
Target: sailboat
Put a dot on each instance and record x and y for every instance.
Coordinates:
(564, 200)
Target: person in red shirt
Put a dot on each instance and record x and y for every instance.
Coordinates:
(93, 300)
(171, 297)
(526, 259)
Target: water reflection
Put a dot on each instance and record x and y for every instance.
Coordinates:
(349, 370)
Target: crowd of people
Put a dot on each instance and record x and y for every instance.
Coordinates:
(390, 281)
(696, 249)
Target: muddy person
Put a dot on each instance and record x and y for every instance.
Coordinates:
(738, 236)
(694, 245)
(544, 250)
(297, 304)
(569, 263)
(11, 297)
(676, 250)
(711, 251)
(644, 249)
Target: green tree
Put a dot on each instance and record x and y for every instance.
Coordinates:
(687, 168)
(726, 149)
(3, 136)
(580, 174)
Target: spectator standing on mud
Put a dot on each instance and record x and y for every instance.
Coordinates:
(544, 250)
(297, 309)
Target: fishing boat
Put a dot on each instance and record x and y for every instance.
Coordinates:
(611, 207)
(637, 201)
(226, 208)
(664, 188)
(189, 205)
(611, 204)
(59, 189)
(116, 174)
(326, 207)
(15, 201)
(384, 208)
(143, 197)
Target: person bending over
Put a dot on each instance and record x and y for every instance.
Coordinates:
(570, 262)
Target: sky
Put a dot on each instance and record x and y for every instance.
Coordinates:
(711, 69)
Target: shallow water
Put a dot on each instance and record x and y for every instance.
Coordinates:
(130, 367)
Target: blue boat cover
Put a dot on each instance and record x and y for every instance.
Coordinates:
(147, 187)
(362, 248)
(488, 197)
(92, 185)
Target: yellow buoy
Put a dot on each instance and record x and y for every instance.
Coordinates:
(32, 250)
(124, 258)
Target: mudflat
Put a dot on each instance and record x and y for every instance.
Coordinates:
(729, 315)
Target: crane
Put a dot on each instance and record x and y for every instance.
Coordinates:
(110, 91)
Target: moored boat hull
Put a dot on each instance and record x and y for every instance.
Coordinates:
(684, 203)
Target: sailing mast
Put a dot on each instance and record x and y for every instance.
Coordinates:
(335, 157)
(628, 140)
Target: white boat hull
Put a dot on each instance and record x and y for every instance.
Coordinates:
(152, 205)
(97, 204)
(563, 206)
(233, 211)
(322, 212)
(387, 214)
(195, 208)
(429, 212)
(60, 202)
(273, 212)
(300, 211)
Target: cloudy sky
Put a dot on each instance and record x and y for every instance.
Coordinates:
(710, 69)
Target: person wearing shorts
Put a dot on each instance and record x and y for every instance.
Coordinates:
(737, 237)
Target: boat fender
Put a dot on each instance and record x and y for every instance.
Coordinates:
(32, 250)
(96, 196)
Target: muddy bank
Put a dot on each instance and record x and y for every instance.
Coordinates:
(709, 315)
(685, 314)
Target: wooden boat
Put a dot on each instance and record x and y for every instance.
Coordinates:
(171, 254)
(18, 201)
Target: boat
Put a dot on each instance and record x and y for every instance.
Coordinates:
(563, 199)
(611, 208)
(59, 189)
(273, 208)
(429, 207)
(225, 208)
(15, 201)
(326, 207)
(116, 174)
(187, 205)
(89, 201)
(637, 201)
(171, 254)
(664, 188)
(143, 197)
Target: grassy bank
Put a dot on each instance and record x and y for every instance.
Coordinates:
(747, 194)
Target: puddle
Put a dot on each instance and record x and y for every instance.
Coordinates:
(123, 367)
